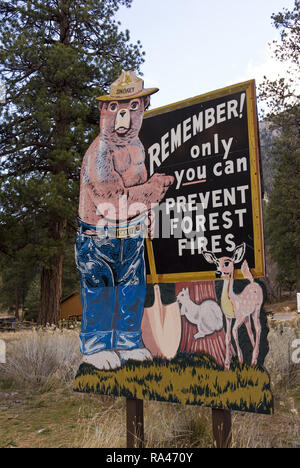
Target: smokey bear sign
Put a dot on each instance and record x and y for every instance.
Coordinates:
(209, 144)
(181, 183)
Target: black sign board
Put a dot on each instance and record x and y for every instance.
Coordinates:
(210, 145)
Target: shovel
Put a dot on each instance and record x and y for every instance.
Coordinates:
(161, 324)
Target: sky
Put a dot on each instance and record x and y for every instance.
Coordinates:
(197, 46)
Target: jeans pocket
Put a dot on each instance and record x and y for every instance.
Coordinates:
(82, 248)
(132, 248)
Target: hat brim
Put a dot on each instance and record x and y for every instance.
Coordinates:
(144, 92)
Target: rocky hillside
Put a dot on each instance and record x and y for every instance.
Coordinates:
(268, 156)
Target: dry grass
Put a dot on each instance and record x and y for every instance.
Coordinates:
(106, 427)
(39, 409)
(256, 431)
(42, 358)
(284, 373)
(166, 426)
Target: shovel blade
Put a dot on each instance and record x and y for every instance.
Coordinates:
(161, 328)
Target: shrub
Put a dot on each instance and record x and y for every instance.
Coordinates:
(42, 358)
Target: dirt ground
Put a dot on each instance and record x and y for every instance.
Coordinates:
(64, 419)
(60, 418)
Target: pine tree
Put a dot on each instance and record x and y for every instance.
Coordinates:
(283, 219)
(17, 234)
(282, 96)
(56, 56)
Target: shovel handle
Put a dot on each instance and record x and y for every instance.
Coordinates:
(150, 252)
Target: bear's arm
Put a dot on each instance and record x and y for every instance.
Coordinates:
(102, 181)
(105, 185)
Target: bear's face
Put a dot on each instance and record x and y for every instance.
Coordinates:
(121, 121)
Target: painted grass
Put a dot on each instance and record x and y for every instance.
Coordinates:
(187, 379)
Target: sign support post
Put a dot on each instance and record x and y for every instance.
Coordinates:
(135, 423)
(222, 428)
(221, 424)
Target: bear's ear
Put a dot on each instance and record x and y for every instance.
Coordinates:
(100, 105)
(146, 102)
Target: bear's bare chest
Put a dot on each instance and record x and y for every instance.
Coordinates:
(129, 162)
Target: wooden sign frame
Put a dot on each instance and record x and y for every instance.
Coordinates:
(256, 190)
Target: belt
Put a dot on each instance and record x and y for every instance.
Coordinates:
(117, 232)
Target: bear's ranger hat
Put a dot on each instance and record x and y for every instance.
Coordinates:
(127, 86)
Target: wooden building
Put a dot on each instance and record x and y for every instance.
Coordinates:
(70, 307)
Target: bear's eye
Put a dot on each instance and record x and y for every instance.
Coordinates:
(113, 107)
(134, 105)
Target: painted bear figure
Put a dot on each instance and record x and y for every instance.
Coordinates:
(114, 169)
(116, 197)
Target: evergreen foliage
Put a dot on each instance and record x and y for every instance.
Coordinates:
(283, 98)
(56, 57)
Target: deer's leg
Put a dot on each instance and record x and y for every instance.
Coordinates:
(249, 330)
(256, 319)
(228, 343)
(238, 323)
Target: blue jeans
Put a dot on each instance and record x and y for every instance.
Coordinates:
(113, 290)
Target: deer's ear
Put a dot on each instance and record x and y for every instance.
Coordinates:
(146, 102)
(210, 257)
(239, 253)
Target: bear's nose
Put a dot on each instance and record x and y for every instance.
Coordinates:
(122, 113)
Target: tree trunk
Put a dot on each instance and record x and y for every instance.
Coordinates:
(298, 269)
(51, 281)
(51, 289)
(16, 302)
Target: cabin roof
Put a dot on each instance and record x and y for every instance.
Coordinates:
(75, 293)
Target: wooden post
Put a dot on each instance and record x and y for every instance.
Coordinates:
(222, 428)
(135, 423)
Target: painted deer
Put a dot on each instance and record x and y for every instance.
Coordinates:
(239, 307)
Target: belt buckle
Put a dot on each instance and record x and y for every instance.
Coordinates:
(131, 231)
(122, 233)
